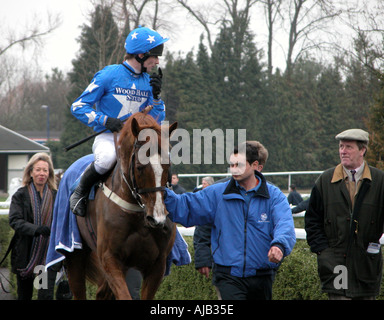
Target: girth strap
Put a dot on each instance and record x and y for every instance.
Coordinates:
(125, 205)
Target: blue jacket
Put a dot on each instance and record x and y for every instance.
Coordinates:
(241, 235)
(116, 92)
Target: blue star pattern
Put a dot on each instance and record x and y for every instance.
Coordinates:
(115, 92)
(151, 39)
(142, 40)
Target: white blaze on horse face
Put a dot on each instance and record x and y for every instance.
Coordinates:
(158, 209)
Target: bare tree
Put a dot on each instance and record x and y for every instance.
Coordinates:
(132, 13)
(366, 22)
(106, 33)
(272, 12)
(307, 20)
(33, 33)
(239, 17)
(236, 13)
(29, 36)
(127, 15)
(201, 18)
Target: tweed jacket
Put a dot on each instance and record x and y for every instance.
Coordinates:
(341, 233)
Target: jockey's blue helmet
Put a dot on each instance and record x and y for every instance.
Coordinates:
(145, 40)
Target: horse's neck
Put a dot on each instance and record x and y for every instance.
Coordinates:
(119, 186)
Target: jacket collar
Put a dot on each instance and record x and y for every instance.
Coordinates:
(262, 191)
(339, 173)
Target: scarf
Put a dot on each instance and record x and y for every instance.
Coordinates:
(42, 215)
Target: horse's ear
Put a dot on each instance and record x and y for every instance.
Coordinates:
(135, 127)
(172, 128)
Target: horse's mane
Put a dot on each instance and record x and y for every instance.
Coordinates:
(144, 120)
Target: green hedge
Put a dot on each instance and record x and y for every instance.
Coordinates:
(186, 283)
(296, 279)
(6, 234)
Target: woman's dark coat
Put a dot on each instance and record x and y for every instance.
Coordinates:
(21, 220)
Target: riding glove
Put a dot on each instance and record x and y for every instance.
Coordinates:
(114, 124)
(156, 82)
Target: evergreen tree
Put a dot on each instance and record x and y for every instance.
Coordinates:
(221, 91)
(375, 154)
(303, 109)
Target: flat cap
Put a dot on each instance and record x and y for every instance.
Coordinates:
(353, 134)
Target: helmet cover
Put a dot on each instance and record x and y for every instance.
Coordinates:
(143, 40)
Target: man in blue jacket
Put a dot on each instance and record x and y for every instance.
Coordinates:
(252, 227)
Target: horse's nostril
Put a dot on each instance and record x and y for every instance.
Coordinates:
(152, 222)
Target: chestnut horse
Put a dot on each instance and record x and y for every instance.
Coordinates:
(126, 225)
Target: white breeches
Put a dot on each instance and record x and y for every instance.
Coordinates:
(104, 151)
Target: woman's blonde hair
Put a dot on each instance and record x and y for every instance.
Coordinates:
(28, 169)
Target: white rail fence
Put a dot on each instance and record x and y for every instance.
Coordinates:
(289, 175)
(300, 233)
(188, 232)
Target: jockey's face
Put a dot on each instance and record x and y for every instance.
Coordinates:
(151, 62)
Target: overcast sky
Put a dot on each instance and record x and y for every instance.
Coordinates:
(61, 46)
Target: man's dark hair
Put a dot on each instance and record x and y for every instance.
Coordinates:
(251, 152)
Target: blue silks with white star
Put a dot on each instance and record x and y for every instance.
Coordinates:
(116, 92)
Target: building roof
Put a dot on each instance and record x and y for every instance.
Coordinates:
(41, 136)
(13, 142)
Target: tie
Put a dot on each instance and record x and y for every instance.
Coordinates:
(353, 174)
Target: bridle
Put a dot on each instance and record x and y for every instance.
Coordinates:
(135, 191)
(131, 180)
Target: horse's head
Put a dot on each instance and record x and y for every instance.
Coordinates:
(148, 168)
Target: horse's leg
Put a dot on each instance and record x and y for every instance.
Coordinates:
(153, 277)
(152, 280)
(115, 276)
(76, 264)
(104, 292)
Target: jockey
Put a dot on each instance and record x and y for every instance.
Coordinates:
(118, 91)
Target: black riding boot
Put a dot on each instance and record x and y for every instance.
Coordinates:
(78, 200)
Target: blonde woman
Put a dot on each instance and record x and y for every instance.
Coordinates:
(30, 215)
